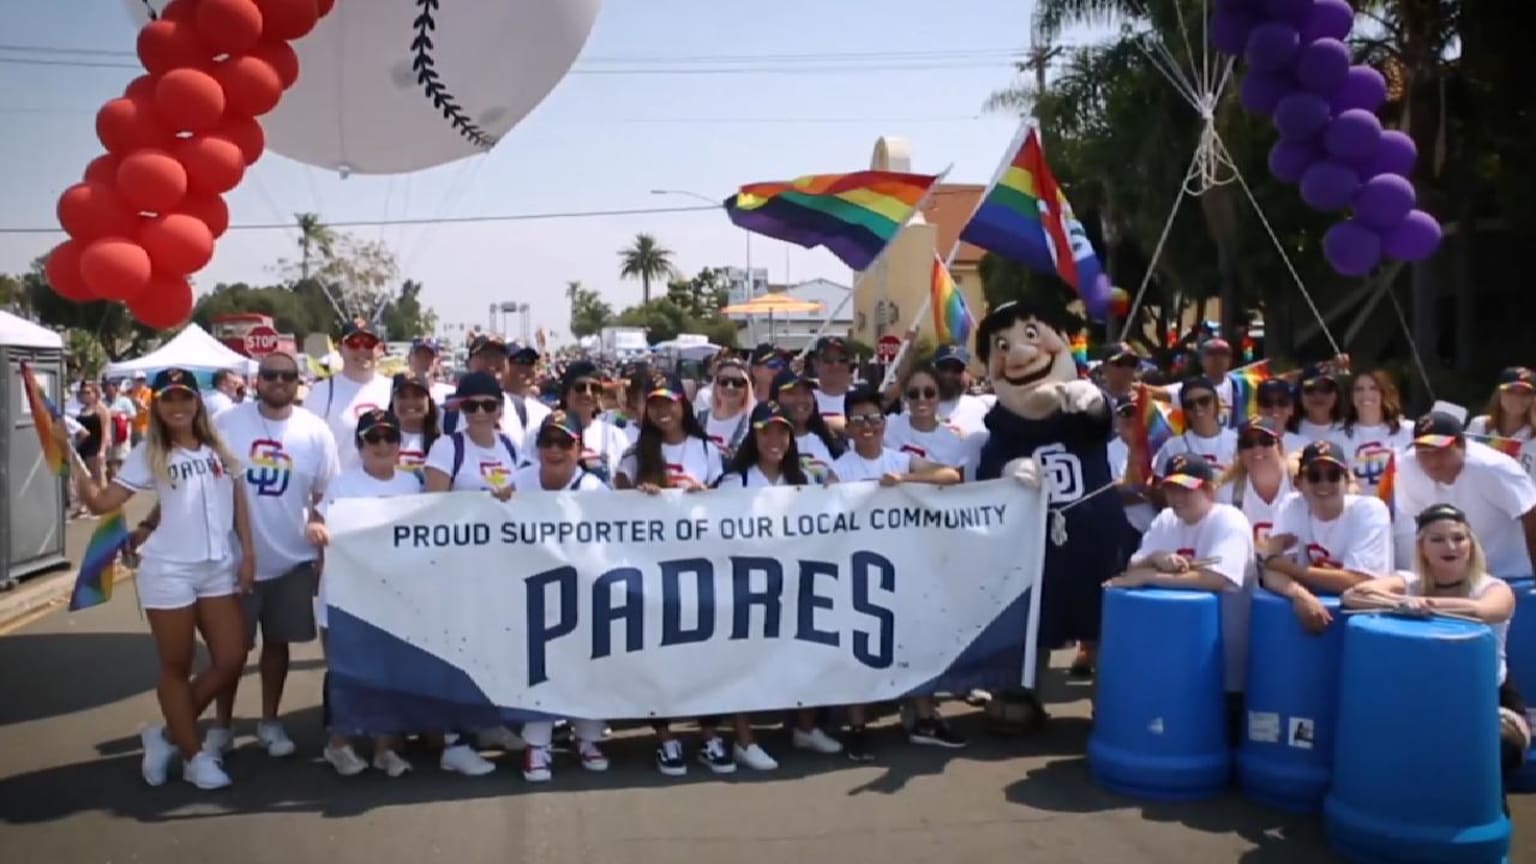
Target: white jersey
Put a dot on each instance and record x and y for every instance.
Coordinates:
(853, 468)
(942, 444)
(197, 506)
(340, 401)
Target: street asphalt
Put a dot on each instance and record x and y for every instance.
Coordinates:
(77, 687)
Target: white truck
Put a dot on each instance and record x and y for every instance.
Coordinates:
(622, 343)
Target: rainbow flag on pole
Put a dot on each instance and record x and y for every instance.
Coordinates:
(952, 319)
(1245, 391)
(44, 415)
(855, 216)
(1154, 426)
(1508, 446)
(93, 584)
(1025, 217)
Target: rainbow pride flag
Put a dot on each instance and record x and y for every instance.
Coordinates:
(1155, 424)
(854, 216)
(44, 415)
(93, 584)
(1386, 488)
(1508, 446)
(1025, 217)
(1245, 391)
(1080, 351)
(952, 319)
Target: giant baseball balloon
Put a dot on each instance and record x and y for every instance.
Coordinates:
(390, 87)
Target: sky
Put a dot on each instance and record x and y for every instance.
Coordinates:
(598, 142)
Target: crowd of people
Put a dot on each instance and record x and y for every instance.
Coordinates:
(1290, 497)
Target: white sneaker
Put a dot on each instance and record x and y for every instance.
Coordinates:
(391, 763)
(817, 741)
(158, 754)
(218, 741)
(592, 757)
(271, 735)
(345, 760)
(203, 771)
(500, 738)
(460, 759)
(536, 767)
(755, 757)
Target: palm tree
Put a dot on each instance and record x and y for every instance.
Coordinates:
(313, 236)
(646, 260)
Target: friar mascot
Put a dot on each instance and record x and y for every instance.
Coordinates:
(1051, 425)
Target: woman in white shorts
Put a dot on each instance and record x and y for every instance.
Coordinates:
(188, 577)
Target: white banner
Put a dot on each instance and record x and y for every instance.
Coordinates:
(622, 605)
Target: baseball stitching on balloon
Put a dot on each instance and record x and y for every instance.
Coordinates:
(426, 75)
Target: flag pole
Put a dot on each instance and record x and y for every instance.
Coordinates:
(880, 256)
(910, 337)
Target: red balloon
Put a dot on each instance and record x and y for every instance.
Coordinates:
(125, 125)
(214, 164)
(325, 7)
(89, 211)
(281, 57)
(179, 10)
(228, 26)
(210, 210)
(152, 180)
(165, 304)
(189, 100)
(247, 135)
(166, 44)
(142, 87)
(115, 269)
(288, 19)
(103, 170)
(63, 272)
(179, 244)
(251, 86)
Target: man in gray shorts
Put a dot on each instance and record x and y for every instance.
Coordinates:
(288, 455)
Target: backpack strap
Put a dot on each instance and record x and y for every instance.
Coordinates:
(450, 421)
(1238, 491)
(511, 450)
(740, 434)
(520, 405)
(458, 455)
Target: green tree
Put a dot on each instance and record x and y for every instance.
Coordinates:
(314, 238)
(662, 319)
(589, 312)
(645, 260)
(405, 317)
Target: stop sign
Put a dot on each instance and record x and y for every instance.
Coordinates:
(260, 341)
(887, 347)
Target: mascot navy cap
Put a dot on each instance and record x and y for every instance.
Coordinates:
(1003, 316)
(1437, 429)
(952, 354)
(1323, 451)
(1190, 471)
(1190, 385)
(477, 385)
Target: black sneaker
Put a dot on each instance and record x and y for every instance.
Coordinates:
(717, 756)
(856, 745)
(935, 732)
(669, 759)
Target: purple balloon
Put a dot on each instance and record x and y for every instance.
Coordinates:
(1329, 186)
(1301, 116)
(1272, 47)
(1230, 29)
(1384, 201)
(1288, 160)
(1353, 135)
(1363, 88)
(1395, 154)
(1352, 248)
(1290, 11)
(1262, 91)
(1256, 6)
(1322, 66)
(1328, 19)
(1413, 239)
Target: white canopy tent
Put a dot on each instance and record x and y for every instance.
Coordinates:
(193, 350)
(21, 333)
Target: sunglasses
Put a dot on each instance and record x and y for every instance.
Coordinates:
(865, 420)
(922, 393)
(834, 358)
(1258, 439)
(1324, 475)
(270, 375)
(1318, 387)
(732, 383)
(360, 341)
(1278, 402)
(555, 442)
(381, 437)
(588, 388)
(475, 406)
(1199, 402)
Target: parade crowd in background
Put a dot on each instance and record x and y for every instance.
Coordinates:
(1311, 483)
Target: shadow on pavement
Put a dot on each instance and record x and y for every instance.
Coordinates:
(52, 674)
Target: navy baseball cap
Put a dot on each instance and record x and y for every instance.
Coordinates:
(831, 343)
(1190, 471)
(424, 344)
(1438, 430)
(477, 385)
(1275, 389)
(1191, 385)
(1517, 377)
(376, 419)
(1323, 451)
(666, 387)
(411, 379)
(788, 378)
(1121, 351)
(173, 379)
(766, 355)
(486, 342)
(525, 355)
(952, 354)
(564, 422)
(357, 327)
(770, 412)
(1260, 426)
(1316, 372)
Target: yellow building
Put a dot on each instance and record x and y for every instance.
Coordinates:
(889, 295)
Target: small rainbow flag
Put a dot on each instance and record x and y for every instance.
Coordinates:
(1245, 391)
(1024, 216)
(1119, 302)
(1508, 446)
(1154, 426)
(853, 215)
(952, 320)
(44, 415)
(93, 584)
(1080, 351)
(1386, 487)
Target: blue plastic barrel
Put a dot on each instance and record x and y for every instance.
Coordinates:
(1159, 727)
(1416, 759)
(1286, 756)
(1520, 646)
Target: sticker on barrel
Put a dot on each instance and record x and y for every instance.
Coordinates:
(1302, 733)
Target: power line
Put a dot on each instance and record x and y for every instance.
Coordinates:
(802, 69)
(832, 56)
(445, 220)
